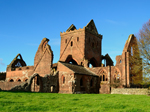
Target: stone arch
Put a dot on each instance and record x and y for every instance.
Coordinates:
(10, 80)
(92, 63)
(117, 75)
(120, 60)
(106, 61)
(25, 79)
(71, 60)
(18, 80)
(130, 45)
(103, 75)
(17, 62)
(103, 62)
(117, 69)
(35, 83)
(102, 69)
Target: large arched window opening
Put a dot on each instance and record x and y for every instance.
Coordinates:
(104, 62)
(92, 63)
(71, 60)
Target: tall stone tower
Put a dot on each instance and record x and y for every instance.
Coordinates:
(82, 46)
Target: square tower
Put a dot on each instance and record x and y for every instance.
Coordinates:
(82, 46)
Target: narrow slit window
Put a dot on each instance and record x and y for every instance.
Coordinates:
(63, 80)
(71, 43)
(103, 77)
(77, 39)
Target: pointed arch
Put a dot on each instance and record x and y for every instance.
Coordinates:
(17, 62)
(101, 71)
(18, 80)
(117, 75)
(10, 80)
(117, 69)
(25, 79)
(71, 60)
(103, 75)
(92, 63)
(131, 44)
(35, 83)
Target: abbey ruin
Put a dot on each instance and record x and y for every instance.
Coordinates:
(79, 69)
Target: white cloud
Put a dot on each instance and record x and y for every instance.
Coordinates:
(1, 62)
(116, 22)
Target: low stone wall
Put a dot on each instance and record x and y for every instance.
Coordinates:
(130, 91)
(8, 85)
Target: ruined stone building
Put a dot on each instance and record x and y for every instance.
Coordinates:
(79, 69)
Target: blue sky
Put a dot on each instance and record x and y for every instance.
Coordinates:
(24, 23)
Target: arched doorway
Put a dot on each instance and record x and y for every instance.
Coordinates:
(36, 84)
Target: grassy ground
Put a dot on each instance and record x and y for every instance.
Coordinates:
(19, 101)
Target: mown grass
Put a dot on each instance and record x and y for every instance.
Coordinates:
(21, 101)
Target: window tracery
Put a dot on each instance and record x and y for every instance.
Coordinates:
(103, 76)
(117, 76)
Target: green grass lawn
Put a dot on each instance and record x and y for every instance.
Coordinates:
(53, 102)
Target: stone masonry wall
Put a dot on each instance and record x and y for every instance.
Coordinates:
(129, 91)
(8, 85)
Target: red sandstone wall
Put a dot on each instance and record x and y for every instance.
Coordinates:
(65, 87)
(88, 46)
(21, 73)
(8, 85)
(44, 65)
(93, 47)
(65, 82)
(105, 88)
(77, 49)
(43, 58)
(86, 87)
